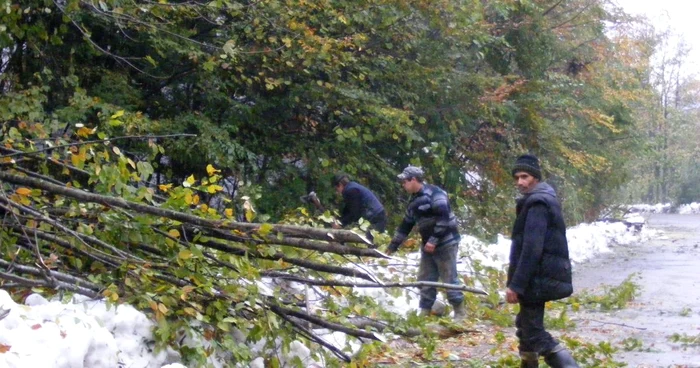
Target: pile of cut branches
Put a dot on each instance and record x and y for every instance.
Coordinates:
(82, 216)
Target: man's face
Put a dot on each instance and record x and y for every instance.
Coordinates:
(411, 185)
(339, 188)
(525, 182)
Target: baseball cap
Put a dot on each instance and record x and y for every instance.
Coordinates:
(411, 172)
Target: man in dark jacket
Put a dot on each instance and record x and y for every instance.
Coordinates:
(429, 209)
(539, 269)
(358, 202)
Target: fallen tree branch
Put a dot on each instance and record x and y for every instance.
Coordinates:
(58, 285)
(439, 285)
(302, 243)
(82, 237)
(58, 275)
(317, 339)
(64, 244)
(325, 324)
(288, 230)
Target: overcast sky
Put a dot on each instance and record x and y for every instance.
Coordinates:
(683, 16)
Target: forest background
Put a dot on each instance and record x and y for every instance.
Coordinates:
(191, 106)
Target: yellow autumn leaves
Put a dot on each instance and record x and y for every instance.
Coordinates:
(22, 195)
(208, 184)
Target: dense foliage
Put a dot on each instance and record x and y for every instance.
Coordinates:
(283, 93)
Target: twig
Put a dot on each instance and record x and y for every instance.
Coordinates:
(610, 323)
(311, 336)
(323, 323)
(64, 244)
(440, 285)
(82, 237)
(35, 245)
(37, 175)
(74, 144)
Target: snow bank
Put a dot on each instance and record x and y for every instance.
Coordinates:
(77, 334)
(650, 208)
(689, 209)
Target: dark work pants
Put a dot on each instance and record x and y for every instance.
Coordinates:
(378, 223)
(530, 329)
(441, 264)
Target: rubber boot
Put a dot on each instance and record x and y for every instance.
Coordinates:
(439, 308)
(528, 359)
(460, 312)
(559, 357)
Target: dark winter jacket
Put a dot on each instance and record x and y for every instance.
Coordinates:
(540, 269)
(429, 208)
(360, 202)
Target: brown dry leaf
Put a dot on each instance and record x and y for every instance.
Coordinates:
(4, 348)
(24, 191)
(410, 243)
(209, 334)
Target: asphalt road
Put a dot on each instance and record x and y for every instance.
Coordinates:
(668, 271)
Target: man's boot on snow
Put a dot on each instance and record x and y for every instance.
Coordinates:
(528, 359)
(559, 357)
(460, 312)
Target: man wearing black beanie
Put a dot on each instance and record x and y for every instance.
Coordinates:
(539, 269)
(530, 164)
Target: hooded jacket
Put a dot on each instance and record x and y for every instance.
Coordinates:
(539, 269)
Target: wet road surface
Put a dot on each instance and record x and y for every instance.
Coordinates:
(668, 270)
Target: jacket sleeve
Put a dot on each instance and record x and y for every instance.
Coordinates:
(352, 210)
(440, 207)
(402, 232)
(533, 244)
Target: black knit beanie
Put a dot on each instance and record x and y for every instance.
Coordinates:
(529, 164)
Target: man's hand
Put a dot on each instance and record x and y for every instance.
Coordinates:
(336, 225)
(511, 296)
(429, 247)
(391, 249)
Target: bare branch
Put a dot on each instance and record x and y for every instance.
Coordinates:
(439, 285)
(323, 323)
(313, 337)
(58, 275)
(42, 283)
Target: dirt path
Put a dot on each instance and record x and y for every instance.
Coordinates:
(668, 273)
(669, 302)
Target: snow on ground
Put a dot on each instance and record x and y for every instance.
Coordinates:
(81, 333)
(688, 209)
(651, 208)
(683, 209)
(85, 333)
